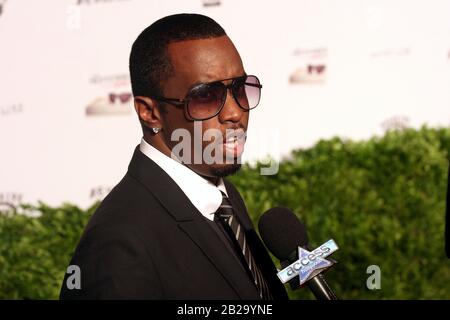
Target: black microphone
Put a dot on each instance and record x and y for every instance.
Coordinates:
(282, 233)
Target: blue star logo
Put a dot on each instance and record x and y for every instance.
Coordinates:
(309, 263)
(310, 268)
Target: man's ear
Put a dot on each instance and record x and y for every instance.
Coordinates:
(148, 112)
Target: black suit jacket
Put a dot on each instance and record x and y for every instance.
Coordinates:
(147, 241)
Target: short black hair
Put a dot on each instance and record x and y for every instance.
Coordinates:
(149, 62)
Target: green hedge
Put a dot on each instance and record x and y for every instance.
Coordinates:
(382, 200)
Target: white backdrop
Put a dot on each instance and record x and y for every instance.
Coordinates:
(328, 68)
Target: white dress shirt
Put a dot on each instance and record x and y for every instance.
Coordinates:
(202, 193)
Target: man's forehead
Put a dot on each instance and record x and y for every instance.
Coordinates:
(205, 60)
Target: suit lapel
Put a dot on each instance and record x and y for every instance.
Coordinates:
(229, 267)
(159, 183)
(173, 199)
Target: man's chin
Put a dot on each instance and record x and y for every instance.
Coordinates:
(225, 170)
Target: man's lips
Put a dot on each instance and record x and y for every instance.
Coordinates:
(235, 135)
(234, 143)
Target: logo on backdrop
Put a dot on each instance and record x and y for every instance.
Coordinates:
(10, 201)
(117, 99)
(311, 66)
(112, 80)
(99, 192)
(113, 104)
(87, 2)
(211, 3)
(398, 122)
(11, 109)
(391, 52)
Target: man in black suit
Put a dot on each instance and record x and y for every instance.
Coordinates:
(173, 228)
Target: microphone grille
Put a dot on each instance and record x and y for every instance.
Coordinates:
(282, 232)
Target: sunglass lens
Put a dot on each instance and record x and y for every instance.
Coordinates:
(247, 92)
(205, 100)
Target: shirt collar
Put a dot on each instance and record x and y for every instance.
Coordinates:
(202, 193)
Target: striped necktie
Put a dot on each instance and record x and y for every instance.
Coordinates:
(226, 217)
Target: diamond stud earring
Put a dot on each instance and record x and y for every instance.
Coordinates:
(156, 130)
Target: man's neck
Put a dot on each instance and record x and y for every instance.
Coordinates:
(214, 180)
(166, 151)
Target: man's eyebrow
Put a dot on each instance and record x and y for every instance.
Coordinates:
(206, 82)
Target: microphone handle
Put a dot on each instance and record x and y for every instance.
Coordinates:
(320, 288)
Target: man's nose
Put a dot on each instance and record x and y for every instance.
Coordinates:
(231, 110)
